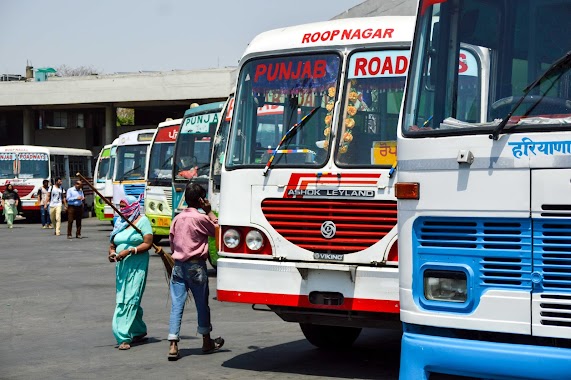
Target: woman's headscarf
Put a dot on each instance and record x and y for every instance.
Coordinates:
(130, 207)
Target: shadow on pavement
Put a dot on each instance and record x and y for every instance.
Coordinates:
(374, 356)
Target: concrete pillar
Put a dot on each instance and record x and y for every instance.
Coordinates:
(28, 125)
(110, 124)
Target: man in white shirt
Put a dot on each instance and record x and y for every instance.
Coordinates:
(44, 204)
(57, 200)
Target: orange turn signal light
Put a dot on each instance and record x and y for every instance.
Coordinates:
(407, 190)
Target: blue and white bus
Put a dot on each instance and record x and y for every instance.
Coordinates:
(193, 150)
(130, 164)
(484, 203)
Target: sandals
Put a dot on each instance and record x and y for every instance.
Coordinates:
(137, 339)
(218, 343)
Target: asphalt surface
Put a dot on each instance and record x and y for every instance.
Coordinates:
(57, 298)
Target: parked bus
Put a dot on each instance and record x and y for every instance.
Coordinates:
(193, 150)
(158, 194)
(307, 208)
(484, 204)
(130, 164)
(26, 166)
(103, 182)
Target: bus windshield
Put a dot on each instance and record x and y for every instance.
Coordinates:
(221, 138)
(192, 155)
(273, 95)
(28, 165)
(131, 161)
(103, 168)
(372, 100)
(160, 166)
(522, 38)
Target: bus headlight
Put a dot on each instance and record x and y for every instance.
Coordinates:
(442, 285)
(152, 206)
(160, 207)
(254, 240)
(231, 238)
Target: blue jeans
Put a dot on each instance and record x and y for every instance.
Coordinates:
(189, 275)
(45, 215)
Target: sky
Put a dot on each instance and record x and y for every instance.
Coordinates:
(144, 35)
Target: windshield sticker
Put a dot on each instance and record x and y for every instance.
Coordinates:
(33, 156)
(295, 75)
(548, 148)
(348, 34)
(199, 124)
(7, 156)
(378, 64)
(167, 134)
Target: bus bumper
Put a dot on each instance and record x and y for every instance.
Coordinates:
(308, 285)
(424, 354)
(160, 223)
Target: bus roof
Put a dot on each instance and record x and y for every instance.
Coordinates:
(350, 31)
(141, 136)
(205, 108)
(46, 149)
(168, 123)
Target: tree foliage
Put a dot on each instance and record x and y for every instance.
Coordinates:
(125, 116)
(67, 71)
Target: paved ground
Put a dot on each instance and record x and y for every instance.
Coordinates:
(57, 300)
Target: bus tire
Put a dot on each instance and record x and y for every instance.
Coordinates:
(330, 337)
(156, 239)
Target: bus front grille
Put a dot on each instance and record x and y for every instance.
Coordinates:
(358, 224)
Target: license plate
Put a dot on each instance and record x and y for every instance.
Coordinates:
(163, 222)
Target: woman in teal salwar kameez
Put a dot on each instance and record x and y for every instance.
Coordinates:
(129, 249)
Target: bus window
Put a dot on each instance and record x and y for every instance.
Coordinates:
(131, 162)
(372, 99)
(275, 94)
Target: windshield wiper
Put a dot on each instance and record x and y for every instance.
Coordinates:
(289, 134)
(124, 176)
(562, 63)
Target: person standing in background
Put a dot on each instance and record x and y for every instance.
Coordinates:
(56, 198)
(74, 197)
(10, 201)
(44, 204)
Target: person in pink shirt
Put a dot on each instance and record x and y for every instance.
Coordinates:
(188, 237)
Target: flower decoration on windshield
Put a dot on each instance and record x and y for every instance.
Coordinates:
(349, 122)
(329, 106)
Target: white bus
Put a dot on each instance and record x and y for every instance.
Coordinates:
(26, 166)
(131, 154)
(158, 193)
(485, 203)
(307, 208)
(103, 182)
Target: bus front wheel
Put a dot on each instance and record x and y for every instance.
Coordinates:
(330, 337)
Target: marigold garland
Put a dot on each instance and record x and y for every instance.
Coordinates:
(329, 106)
(349, 122)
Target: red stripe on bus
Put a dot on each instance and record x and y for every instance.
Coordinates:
(300, 300)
